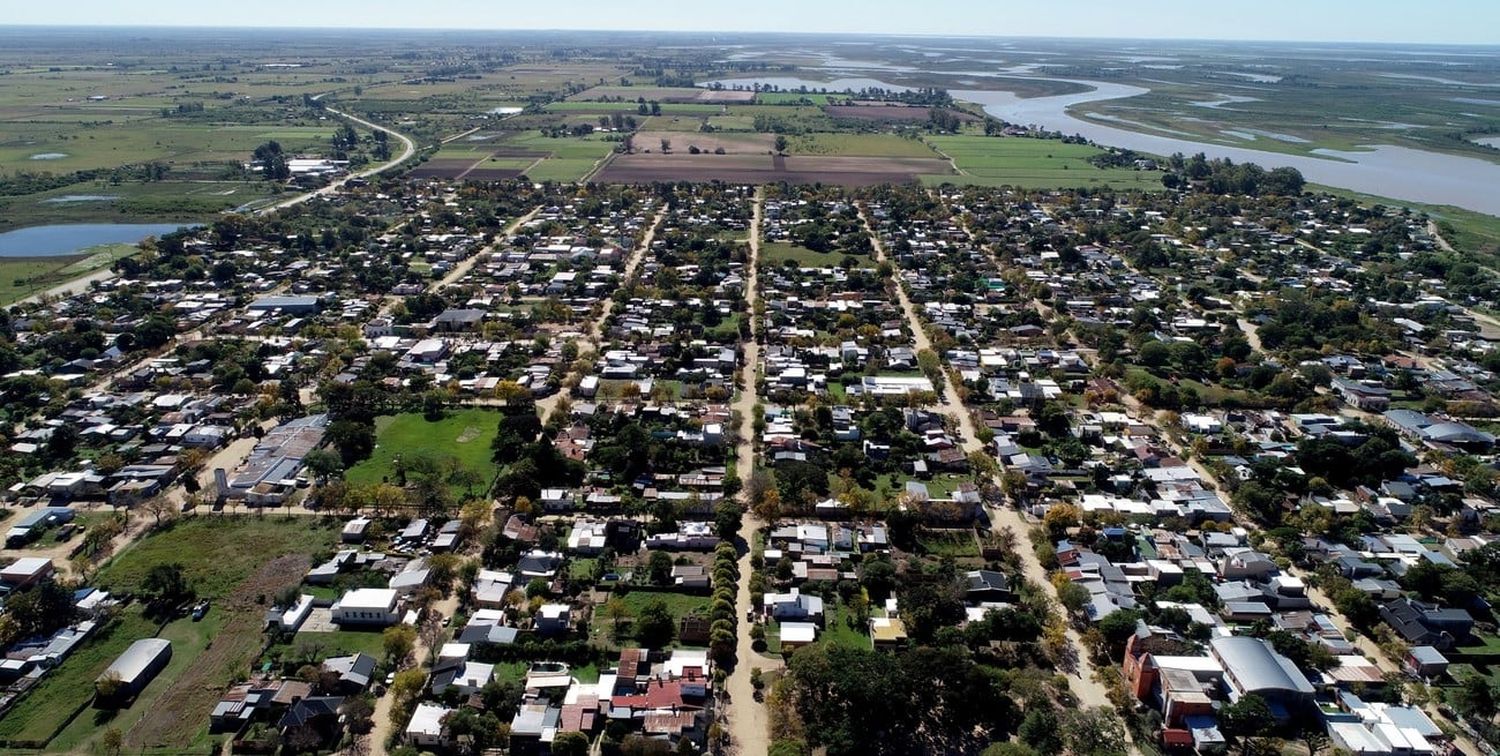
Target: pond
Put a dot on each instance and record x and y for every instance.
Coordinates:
(71, 238)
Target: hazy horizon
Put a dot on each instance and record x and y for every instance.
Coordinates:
(1460, 22)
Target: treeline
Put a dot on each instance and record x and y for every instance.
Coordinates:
(1224, 176)
(22, 183)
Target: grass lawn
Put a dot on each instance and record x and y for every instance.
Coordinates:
(217, 552)
(679, 604)
(465, 435)
(189, 640)
(777, 253)
(959, 544)
(337, 643)
(1032, 163)
(582, 568)
(836, 631)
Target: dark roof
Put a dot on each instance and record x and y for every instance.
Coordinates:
(311, 709)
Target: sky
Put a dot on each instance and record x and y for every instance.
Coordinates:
(1433, 21)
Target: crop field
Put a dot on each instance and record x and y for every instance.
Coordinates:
(757, 169)
(1032, 163)
(682, 142)
(466, 435)
(861, 145)
(567, 158)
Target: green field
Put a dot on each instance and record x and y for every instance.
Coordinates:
(569, 158)
(114, 144)
(337, 643)
(53, 702)
(777, 253)
(217, 552)
(791, 98)
(465, 434)
(860, 145)
(218, 555)
(1031, 163)
(164, 201)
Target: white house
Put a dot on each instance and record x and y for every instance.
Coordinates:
(426, 726)
(367, 606)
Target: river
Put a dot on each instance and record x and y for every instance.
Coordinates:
(1384, 170)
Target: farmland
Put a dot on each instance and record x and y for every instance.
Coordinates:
(1031, 163)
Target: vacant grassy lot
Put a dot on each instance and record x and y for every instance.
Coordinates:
(217, 552)
(58, 148)
(1032, 163)
(464, 435)
(679, 604)
(310, 646)
(777, 253)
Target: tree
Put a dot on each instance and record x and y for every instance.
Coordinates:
(654, 626)
(109, 686)
(781, 143)
(398, 642)
(112, 741)
(659, 567)
(1039, 729)
(1094, 732)
(616, 612)
(353, 440)
(570, 744)
(323, 463)
(727, 520)
(166, 585)
(158, 507)
(1246, 717)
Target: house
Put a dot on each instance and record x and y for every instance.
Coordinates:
(133, 670)
(986, 586)
(354, 673)
(355, 530)
(795, 635)
(1422, 624)
(426, 728)
(468, 677)
(367, 606)
(793, 606)
(25, 572)
(1425, 662)
(314, 719)
(554, 619)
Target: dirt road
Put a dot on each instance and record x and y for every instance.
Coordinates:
(590, 343)
(748, 726)
(1081, 682)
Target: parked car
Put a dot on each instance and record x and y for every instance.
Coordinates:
(200, 609)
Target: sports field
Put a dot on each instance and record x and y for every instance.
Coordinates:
(464, 435)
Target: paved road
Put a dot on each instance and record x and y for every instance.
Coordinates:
(409, 149)
(748, 725)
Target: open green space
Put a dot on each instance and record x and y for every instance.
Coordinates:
(217, 552)
(569, 158)
(57, 148)
(678, 604)
(323, 645)
(464, 435)
(778, 253)
(1032, 163)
